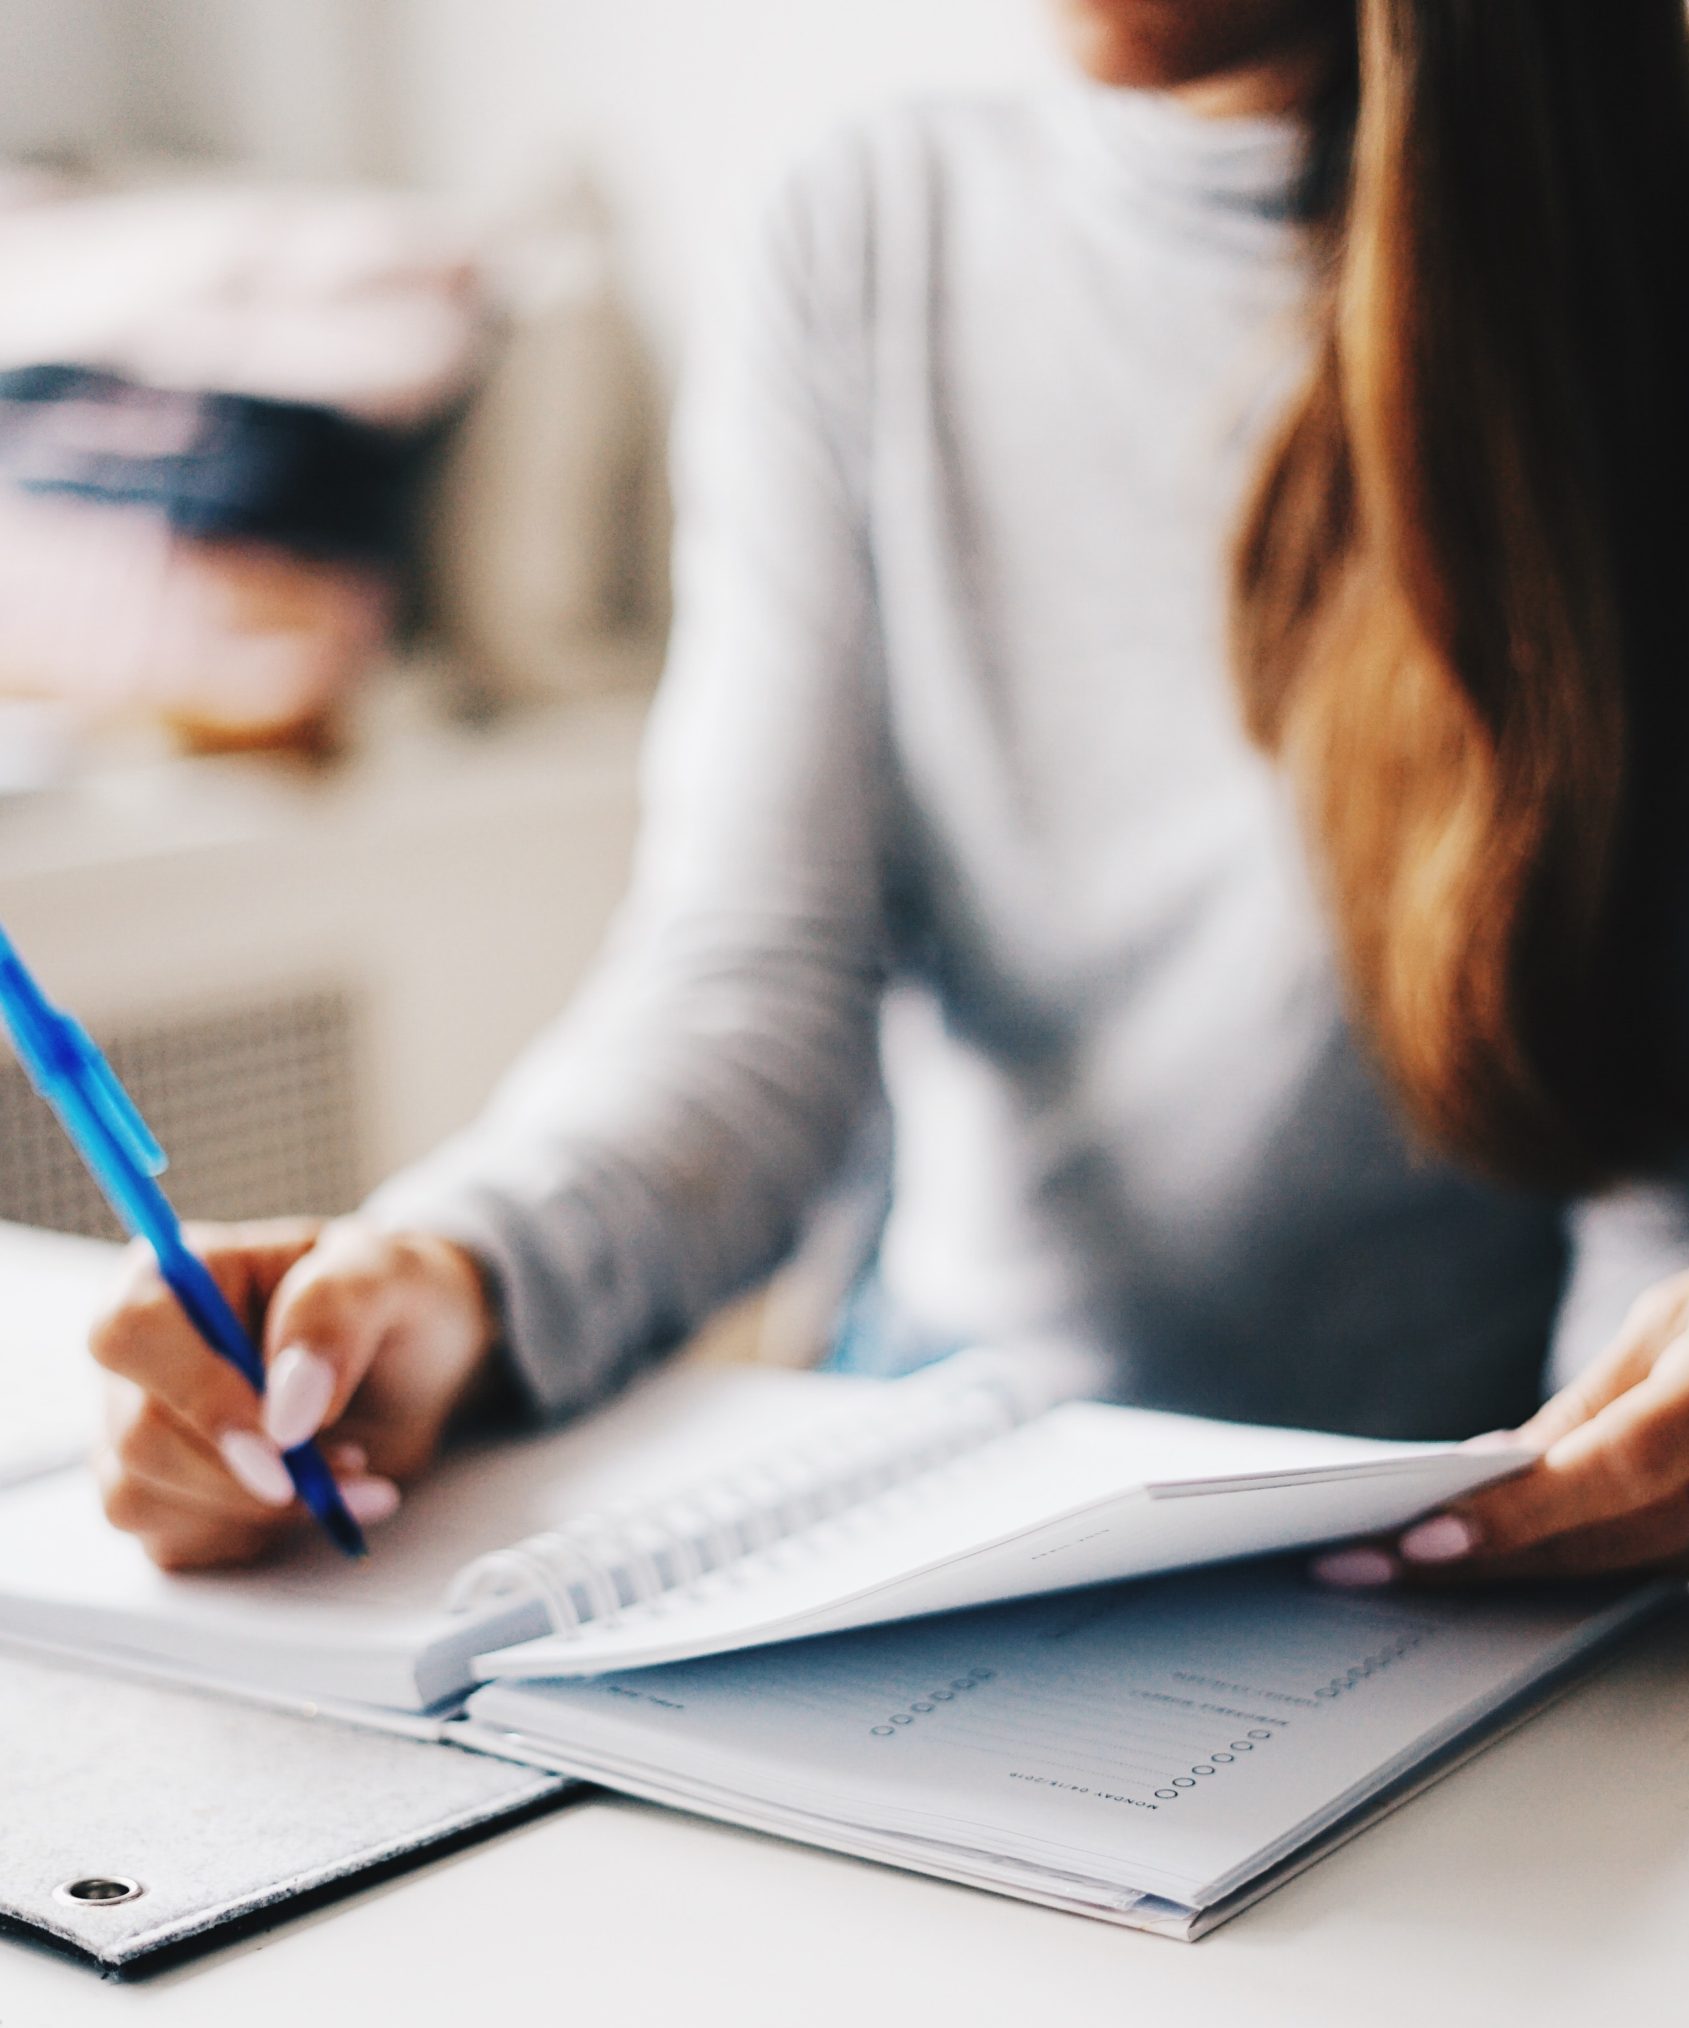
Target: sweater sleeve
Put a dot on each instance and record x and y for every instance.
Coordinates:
(655, 1151)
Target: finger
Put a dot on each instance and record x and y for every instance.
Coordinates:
(144, 1334)
(151, 1466)
(329, 1317)
(146, 1338)
(1631, 1454)
(175, 1536)
(1654, 1539)
(1655, 1319)
(145, 1437)
(257, 1252)
(178, 1553)
(1358, 1566)
(342, 1313)
(181, 1541)
(241, 1476)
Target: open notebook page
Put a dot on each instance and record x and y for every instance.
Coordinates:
(1173, 1738)
(312, 1624)
(52, 1287)
(1082, 1494)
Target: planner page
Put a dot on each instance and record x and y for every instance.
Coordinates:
(1172, 1737)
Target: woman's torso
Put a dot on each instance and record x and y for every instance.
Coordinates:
(1126, 1097)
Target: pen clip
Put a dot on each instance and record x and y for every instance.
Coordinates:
(115, 1107)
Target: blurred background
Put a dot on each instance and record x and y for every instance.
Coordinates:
(337, 341)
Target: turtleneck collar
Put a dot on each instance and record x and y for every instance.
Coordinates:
(1232, 182)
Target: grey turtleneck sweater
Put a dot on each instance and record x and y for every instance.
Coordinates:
(947, 795)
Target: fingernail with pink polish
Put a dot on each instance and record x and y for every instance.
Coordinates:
(1355, 1569)
(370, 1501)
(1443, 1539)
(297, 1394)
(255, 1463)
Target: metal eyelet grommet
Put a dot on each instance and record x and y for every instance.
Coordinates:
(98, 1890)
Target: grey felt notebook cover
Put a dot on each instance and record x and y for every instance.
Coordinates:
(216, 1810)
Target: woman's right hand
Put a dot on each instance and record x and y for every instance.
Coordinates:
(370, 1340)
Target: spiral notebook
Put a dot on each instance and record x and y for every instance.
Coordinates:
(708, 1512)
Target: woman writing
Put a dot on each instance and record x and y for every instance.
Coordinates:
(1181, 631)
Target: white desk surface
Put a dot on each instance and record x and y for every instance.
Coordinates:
(1546, 1883)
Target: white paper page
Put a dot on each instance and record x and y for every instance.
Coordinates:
(52, 1287)
(1171, 1737)
(1086, 1493)
(314, 1623)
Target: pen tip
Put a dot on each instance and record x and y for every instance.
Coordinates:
(347, 1535)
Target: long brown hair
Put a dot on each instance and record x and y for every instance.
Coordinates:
(1460, 613)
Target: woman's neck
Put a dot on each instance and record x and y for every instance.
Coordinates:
(1289, 81)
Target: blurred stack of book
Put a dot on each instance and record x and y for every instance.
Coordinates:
(252, 434)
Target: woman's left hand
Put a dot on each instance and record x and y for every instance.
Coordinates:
(1609, 1490)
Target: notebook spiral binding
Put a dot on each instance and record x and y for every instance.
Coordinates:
(596, 1568)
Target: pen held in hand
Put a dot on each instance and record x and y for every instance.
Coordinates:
(107, 1131)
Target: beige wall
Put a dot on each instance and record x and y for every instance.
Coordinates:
(685, 106)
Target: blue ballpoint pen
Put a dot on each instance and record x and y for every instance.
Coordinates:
(61, 1061)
